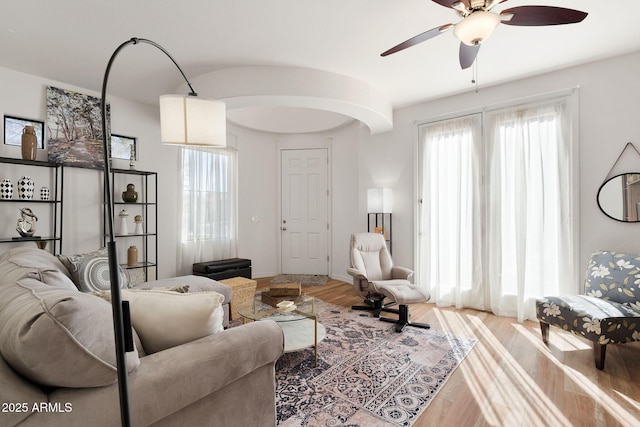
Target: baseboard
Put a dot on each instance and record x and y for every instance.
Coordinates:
(345, 278)
(262, 275)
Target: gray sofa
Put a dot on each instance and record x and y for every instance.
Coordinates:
(58, 360)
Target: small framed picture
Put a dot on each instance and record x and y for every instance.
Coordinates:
(13, 127)
(123, 147)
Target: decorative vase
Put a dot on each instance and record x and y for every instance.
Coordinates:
(139, 224)
(131, 195)
(29, 143)
(45, 193)
(123, 231)
(25, 188)
(132, 256)
(6, 189)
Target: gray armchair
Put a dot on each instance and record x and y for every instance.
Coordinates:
(376, 278)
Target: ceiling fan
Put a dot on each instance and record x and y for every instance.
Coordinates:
(478, 22)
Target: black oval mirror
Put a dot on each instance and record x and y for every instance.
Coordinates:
(619, 197)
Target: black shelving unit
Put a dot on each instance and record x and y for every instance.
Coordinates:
(145, 206)
(56, 185)
(380, 223)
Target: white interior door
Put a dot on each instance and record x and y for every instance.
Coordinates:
(305, 202)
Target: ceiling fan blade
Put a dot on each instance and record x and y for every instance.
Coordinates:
(541, 15)
(450, 3)
(468, 54)
(417, 39)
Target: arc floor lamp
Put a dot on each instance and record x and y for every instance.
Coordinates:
(184, 120)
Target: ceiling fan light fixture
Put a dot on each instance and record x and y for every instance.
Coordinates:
(477, 27)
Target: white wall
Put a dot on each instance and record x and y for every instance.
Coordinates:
(609, 112)
(258, 222)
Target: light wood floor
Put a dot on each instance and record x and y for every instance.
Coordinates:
(511, 378)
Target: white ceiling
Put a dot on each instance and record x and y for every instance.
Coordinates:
(71, 41)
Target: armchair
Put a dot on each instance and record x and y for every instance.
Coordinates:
(376, 278)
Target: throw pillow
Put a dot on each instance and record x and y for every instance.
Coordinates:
(90, 271)
(58, 337)
(22, 262)
(165, 319)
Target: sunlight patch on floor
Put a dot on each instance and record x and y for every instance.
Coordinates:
(629, 400)
(504, 392)
(603, 399)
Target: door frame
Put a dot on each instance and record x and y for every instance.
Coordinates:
(324, 143)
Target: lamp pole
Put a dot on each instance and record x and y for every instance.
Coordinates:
(121, 318)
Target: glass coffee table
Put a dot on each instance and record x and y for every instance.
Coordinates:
(299, 322)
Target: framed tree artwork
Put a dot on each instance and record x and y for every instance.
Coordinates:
(74, 128)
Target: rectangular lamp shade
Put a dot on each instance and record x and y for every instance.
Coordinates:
(379, 200)
(192, 121)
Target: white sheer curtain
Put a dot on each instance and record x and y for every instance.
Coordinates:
(498, 218)
(530, 211)
(208, 198)
(450, 242)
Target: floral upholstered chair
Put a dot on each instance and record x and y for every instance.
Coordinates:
(608, 312)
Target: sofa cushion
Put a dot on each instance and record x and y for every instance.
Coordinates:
(22, 262)
(599, 320)
(90, 271)
(196, 284)
(613, 276)
(58, 337)
(165, 319)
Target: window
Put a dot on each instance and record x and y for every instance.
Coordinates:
(208, 198)
(498, 216)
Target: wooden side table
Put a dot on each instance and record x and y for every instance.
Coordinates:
(242, 290)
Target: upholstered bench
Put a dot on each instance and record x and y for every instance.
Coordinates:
(609, 310)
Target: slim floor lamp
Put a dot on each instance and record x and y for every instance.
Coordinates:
(184, 120)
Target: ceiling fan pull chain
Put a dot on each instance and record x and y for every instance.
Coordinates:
(474, 77)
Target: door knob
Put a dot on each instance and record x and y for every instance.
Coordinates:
(284, 228)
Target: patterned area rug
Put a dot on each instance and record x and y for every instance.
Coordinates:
(367, 374)
(303, 279)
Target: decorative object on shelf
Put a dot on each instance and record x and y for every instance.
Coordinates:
(14, 128)
(29, 143)
(6, 189)
(25, 188)
(132, 158)
(123, 223)
(139, 224)
(26, 225)
(45, 193)
(131, 195)
(132, 256)
(47, 175)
